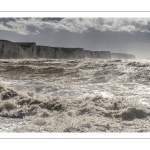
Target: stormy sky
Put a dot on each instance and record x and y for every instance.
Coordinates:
(124, 35)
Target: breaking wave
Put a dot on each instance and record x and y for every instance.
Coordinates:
(80, 95)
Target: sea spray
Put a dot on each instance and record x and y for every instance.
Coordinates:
(82, 95)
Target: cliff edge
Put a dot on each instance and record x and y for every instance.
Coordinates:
(19, 50)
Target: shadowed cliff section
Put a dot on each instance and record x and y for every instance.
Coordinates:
(11, 50)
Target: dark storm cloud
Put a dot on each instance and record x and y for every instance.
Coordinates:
(3, 23)
(51, 19)
(4, 20)
(75, 25)
(146, 27)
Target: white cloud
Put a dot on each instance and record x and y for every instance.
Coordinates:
(79, 25)
(18, 27)
(2, 27)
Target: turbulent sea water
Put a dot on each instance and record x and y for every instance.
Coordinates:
(78, 95)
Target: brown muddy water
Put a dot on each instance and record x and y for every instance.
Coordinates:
(80, 95)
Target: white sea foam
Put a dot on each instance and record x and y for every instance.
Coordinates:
(79, 95)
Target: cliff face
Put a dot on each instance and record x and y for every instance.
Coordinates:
(14, 50)
(60, 52)
(10, 50)
(122, 56)
(45, 52)
(97, 54)
(31, 50)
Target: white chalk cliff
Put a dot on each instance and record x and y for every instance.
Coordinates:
(11, 50)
